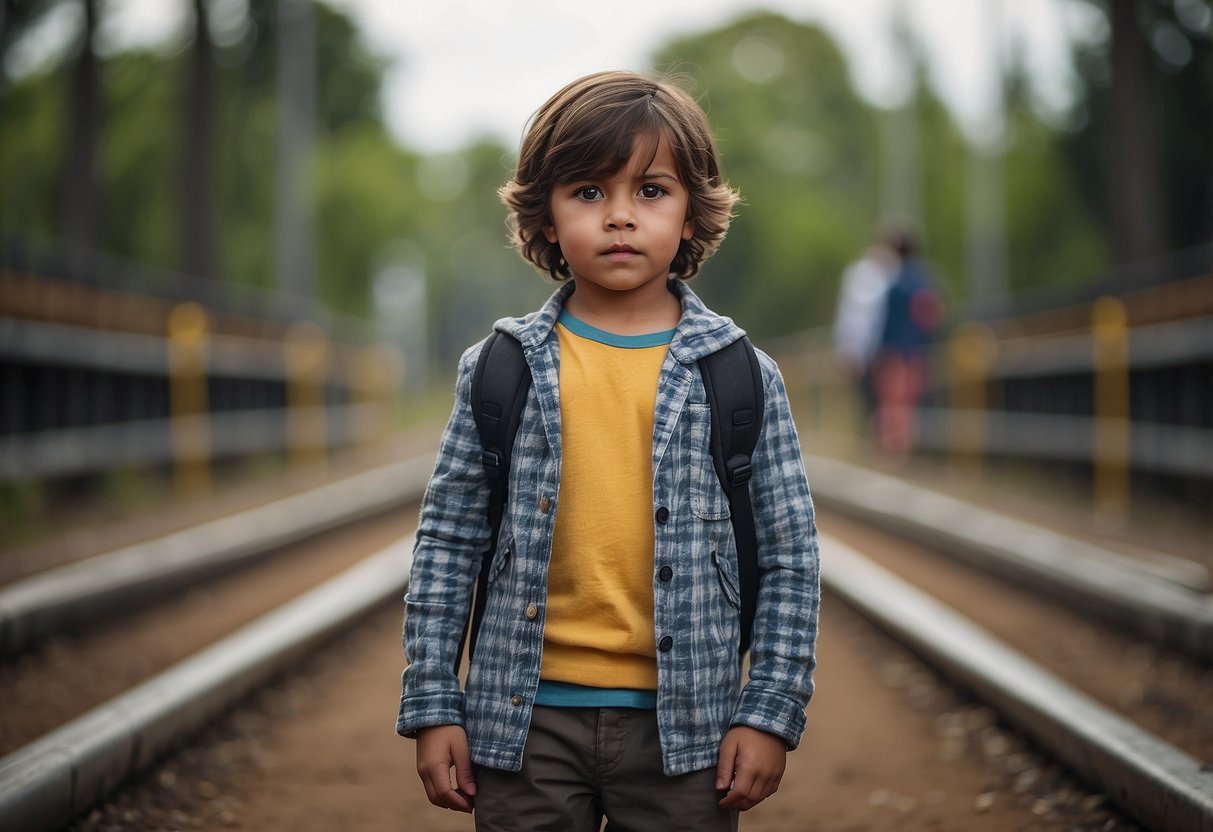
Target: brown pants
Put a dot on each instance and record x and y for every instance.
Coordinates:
(581, 764)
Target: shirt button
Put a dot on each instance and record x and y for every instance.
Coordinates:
(532, 612)
(663, 514)
(666, 573)
(545, 504)
(665, 644)
(515, 700)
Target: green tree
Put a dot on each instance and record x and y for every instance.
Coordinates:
(799, 145)
(1139, 140)
(77, 183)
(804, 150)
(474, 275)
(1054, 239)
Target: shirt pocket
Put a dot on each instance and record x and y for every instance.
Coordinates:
(726, 573)
(501, 559)
(708, 500)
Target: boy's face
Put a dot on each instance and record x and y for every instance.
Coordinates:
(621, 232)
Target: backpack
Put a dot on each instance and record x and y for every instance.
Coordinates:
(913, 310)
(732, 380)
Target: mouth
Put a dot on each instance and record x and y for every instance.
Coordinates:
(620, 251)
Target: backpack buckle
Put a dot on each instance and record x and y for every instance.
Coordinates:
(491, 462)
(739, 470)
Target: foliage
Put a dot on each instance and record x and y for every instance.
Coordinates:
(1179, 85)
(798, 144)
(797, 141)
(30, 157)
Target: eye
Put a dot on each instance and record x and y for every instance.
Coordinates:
(652, 191)
(589, 193)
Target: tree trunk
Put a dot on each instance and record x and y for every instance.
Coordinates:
(197, 169)
(81, 191)
(1136, 187)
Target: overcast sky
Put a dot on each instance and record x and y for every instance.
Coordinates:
(463, 67)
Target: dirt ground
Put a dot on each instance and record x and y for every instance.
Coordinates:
(71, 673)
(888, 747)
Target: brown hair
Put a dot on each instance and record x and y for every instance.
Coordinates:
(589, 129)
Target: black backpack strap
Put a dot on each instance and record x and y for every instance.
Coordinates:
(500, 385)
(732, 379)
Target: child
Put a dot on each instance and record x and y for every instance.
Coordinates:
(607, 679)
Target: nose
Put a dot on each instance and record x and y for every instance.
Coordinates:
(619, 215)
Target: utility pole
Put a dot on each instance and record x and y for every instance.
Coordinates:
(901, 158)
(985, 185)
(294, 215)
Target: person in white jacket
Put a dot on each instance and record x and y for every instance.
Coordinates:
(860, 316)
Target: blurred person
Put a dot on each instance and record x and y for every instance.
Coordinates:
(913, 311)
(859, 320)
(607, 676)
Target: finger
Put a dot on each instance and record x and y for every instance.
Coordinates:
(746, 783)
(437, 779)
(465, 781)
(458, 801)
(465, 774)
(763, 789)
(725, 764)
(737, 800)
(742, 794)
(430, 794)
(446, 795)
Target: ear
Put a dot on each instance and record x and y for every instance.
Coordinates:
(688, 229)
(549, 232)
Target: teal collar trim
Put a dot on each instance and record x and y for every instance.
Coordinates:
(631, 342)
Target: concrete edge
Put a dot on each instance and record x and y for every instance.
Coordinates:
(1150, 598)
(1158, 784)
(51, 780)
(79, 593)
(1155, 599)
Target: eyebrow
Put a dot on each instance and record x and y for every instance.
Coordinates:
(648, 174)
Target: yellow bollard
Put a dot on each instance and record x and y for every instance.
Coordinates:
(1110, 336)
(307, 356)
(374, 380)
(971, 352)
(188, 335)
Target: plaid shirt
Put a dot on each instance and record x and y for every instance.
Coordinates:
(700, 693)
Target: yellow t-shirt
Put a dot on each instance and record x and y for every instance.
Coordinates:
(598, 628)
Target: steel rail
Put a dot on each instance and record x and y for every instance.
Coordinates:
(1163, 598)
(46, 783)
(78, 593)
(61, 775)
(1164, 788)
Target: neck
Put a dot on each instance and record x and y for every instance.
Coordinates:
(625, 313)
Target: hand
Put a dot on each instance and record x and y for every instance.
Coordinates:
(751, 766)
(439, 749)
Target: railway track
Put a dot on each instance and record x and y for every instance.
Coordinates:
(1161, 782)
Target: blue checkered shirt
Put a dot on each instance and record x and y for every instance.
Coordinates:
(700, 688)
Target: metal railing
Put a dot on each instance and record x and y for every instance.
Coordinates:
(1110, 386)
(176, 384)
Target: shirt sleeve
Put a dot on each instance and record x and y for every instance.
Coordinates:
(452, 536)
(782, 651)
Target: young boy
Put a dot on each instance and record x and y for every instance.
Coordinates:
(607, 677)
